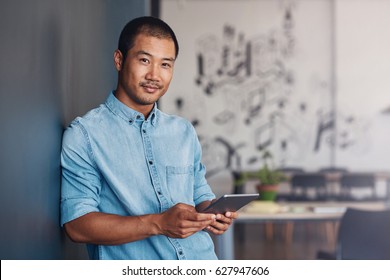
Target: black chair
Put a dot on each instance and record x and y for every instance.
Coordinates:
(362, 235)
(291, 169)
(333, 169)
(333, 174)
(358, 186)
(308, 187)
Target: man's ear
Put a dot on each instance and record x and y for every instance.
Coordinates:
(118, 60)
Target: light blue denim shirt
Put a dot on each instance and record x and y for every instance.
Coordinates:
(115, 161)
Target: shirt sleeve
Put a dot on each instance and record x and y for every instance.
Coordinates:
(202, 190)
(81, 180)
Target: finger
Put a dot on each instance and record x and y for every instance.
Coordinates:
(220, 226)
(224, 219)
(231, 215)
(195, 225)
(194, 216)
(187, 231)
(214, 230)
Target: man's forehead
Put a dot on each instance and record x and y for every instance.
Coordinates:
(154, 46)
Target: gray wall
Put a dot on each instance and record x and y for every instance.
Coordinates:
(55, 64)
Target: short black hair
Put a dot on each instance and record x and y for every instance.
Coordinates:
(147, 25)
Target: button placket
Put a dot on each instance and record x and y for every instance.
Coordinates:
(153, 168)
(178, 248)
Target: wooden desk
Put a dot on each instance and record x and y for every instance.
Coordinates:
(287, 212)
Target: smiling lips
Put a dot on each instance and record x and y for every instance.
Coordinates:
(151, 87)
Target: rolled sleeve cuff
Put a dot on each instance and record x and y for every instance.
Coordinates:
(72, 209)
(205, 193)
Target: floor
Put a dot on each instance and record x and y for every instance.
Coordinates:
(308, 238)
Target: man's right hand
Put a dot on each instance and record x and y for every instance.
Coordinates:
(183, 220)
(180, 221)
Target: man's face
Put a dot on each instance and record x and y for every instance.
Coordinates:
(146, 73)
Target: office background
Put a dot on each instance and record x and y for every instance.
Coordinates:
(305, 80)
(56, 64)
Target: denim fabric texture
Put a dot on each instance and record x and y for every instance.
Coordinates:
(115, 161)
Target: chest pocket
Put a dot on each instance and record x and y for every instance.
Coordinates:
(180, 184)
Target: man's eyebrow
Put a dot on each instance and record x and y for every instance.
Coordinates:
(148, 54)
(144, 53)
(169, 59)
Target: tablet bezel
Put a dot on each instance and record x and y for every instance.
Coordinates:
(229, 203)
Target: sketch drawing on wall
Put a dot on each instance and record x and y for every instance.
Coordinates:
(248, 95)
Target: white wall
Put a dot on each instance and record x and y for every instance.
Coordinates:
(363, 90)
(311, 62)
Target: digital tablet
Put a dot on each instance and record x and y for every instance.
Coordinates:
(229, 202)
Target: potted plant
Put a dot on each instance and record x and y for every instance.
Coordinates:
(267, 177)
(269, 181)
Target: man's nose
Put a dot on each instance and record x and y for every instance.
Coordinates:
(153, 73)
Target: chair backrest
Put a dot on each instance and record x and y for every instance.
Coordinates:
(333, 169)
(364, 235)
(358, 182)
(291, 169)
(308, 186)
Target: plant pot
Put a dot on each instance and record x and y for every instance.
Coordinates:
(267, 192)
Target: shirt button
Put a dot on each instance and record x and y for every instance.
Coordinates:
(150, 162)
(180, 253)
(130, 121)
(159, 193)
(138, 117)
(144, 131)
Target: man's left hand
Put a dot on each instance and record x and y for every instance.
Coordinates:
(222, 223)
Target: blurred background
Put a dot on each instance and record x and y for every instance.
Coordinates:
(302, 81)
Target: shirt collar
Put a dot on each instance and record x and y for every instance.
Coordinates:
(128, 114)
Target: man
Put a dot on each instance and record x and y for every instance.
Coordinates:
(132, 178)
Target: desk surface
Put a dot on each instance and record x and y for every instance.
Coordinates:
(293, 211)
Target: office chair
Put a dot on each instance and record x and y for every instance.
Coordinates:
(333, 174)
(333, 169)
(362, 235)
(308, 187)
(291, 169)
(358, 186)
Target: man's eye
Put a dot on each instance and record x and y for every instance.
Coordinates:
(144, 60)
(166, 65)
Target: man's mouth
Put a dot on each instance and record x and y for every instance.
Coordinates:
(150, 87)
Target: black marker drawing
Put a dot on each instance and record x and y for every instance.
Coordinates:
(255, 87)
